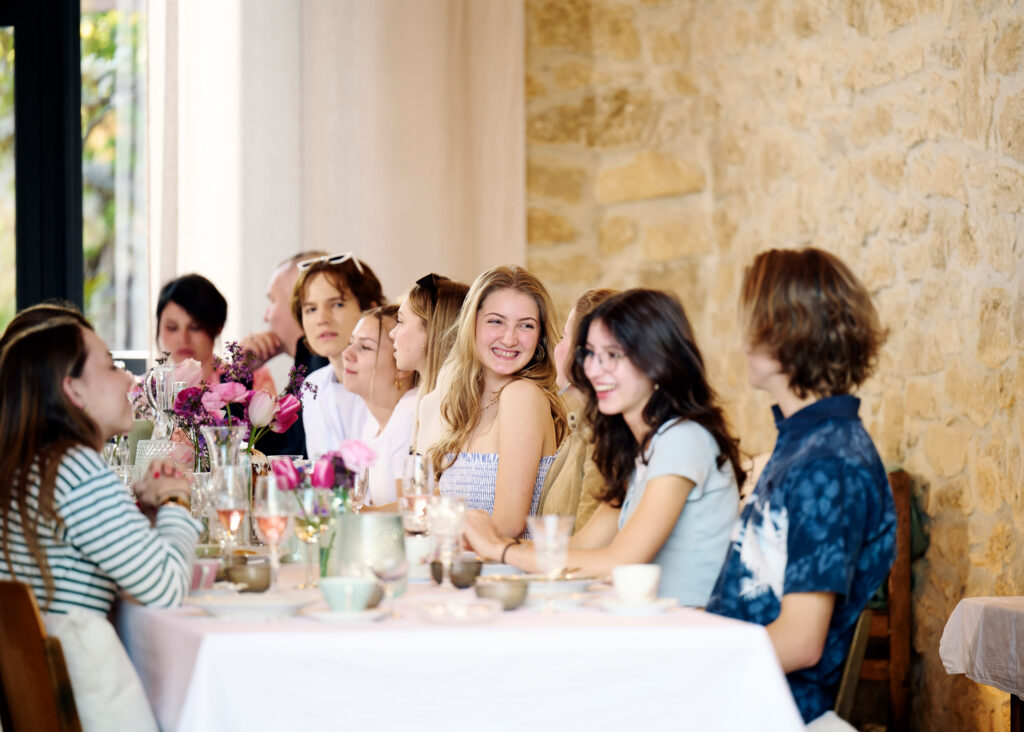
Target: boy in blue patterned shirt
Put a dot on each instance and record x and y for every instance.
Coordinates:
(817, 536)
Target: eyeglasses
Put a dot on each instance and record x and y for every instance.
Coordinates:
(330, 259)
(607, 361)
(429, 283)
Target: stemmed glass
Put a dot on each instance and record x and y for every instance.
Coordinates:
(201, 496)
(230, 502)
(313, 517)
(389, 571)
(417, 475)
(117, 455)
(445, 519)
(272, 509)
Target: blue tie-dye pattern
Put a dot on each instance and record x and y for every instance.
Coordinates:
(826, 485)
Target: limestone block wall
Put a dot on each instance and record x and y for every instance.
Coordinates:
(668, 141)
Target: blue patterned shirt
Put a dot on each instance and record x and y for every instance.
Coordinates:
(821, 519)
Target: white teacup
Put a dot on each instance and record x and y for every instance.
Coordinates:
(636, 584)
(418, 550)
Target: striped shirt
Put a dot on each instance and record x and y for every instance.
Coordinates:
(104, 544)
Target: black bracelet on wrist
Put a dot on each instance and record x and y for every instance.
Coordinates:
(504, 551)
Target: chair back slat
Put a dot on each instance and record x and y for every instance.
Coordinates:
(35, 691)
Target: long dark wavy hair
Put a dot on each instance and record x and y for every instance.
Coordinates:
(655, 334)
(38, 424)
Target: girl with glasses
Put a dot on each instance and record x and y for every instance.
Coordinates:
(660, 441)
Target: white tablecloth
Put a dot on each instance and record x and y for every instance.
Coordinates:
(584, 669)
(984, 639)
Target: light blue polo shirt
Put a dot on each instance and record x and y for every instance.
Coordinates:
(694, 552)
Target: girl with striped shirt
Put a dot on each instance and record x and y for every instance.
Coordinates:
(68, 527)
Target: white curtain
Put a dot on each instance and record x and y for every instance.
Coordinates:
(394, 128)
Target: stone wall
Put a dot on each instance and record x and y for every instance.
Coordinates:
(670, 140)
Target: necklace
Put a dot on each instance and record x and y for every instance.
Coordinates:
(493, 401)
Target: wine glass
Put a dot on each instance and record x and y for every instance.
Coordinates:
(445, 518)
(272, 509)
(314, 514)
(389, 571)
(230, 502)
(417, 476)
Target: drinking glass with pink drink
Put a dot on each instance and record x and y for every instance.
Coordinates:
(230, 502)
(272, 509)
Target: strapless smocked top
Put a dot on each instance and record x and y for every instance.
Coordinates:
(473, 475)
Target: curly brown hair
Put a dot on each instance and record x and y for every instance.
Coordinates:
(808, 311)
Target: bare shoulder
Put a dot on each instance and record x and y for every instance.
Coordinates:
(522, 394)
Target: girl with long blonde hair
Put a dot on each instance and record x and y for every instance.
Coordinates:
(423, 336)
(504, 415)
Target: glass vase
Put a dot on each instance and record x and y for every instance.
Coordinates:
(230, 464)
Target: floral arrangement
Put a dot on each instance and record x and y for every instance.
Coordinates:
(332, 476)
(233, 401)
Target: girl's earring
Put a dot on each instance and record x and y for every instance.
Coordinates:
(540, 353)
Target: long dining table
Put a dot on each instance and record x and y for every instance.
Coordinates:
(531, 668)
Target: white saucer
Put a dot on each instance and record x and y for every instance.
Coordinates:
(255, 606)
(340, 616)
(657, 607)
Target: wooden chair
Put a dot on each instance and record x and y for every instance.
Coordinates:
(851, 668)
(891, 626)
(35, 692)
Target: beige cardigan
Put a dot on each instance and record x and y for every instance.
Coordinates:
(573, 485)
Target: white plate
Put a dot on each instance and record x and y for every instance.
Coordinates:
(262, 606)
(456, 612)
(616, 607)
(494, 568)
(544, 587)
(339, 616)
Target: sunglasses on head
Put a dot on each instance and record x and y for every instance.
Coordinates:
(429, 283)
(330, 259)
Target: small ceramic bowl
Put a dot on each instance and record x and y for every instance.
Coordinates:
(506, 589)
(255, 577)
(465, 570)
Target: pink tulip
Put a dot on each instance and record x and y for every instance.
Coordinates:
(323, 473)
(285, 470)
(190, 371)
(286, 413)
(358, 456)
(261, 409)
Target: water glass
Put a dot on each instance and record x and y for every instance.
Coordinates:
(550, 542)
(446, 517)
